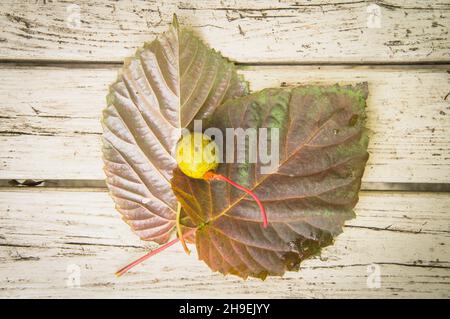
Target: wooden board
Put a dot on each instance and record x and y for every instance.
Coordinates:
(57, 58)
(45, 234)
(50, 115)
(247, 31)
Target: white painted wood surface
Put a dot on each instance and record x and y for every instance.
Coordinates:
(243, 30)
(53, 82)
(51, 114)
(407, 235)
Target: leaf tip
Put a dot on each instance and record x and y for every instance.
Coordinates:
(175, 23)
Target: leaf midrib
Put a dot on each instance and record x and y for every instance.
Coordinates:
(309, 139)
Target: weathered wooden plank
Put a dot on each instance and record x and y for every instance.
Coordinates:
(44, 235)
(245, 31)
(50, 115)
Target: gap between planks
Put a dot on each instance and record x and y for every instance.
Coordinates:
(113, 63)
(100, 186)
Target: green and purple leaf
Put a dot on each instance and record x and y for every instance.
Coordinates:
(308, 197)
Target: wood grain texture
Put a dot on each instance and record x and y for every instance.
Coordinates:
(50, 129)
(50, 115)
(44, 232)
(270, 31)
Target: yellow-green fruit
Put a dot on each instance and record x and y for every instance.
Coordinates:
(196, 154)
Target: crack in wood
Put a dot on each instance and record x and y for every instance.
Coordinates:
(378, 263)
(101, 185)
(420, 231)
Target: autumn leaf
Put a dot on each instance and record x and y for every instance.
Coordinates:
(176, 79)
(308, 197)
(164, 87)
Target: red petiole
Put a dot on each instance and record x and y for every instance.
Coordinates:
(123, 270)
(213, 176)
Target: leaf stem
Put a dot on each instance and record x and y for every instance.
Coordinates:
(123, 270)
(213, 176)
